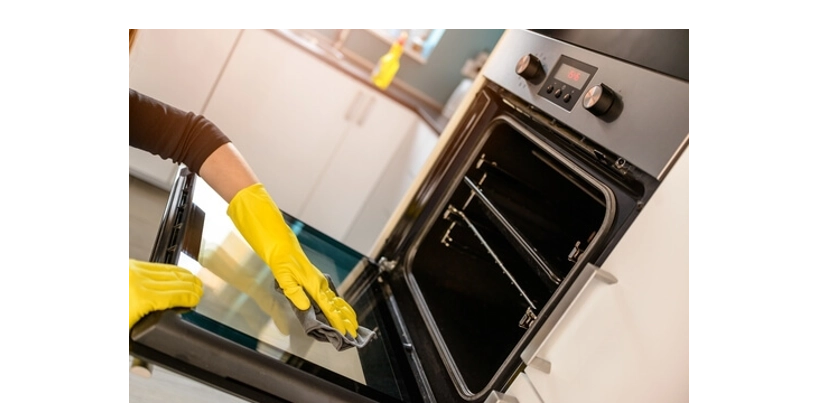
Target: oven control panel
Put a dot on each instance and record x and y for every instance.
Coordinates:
(636, 113)
(565, 84)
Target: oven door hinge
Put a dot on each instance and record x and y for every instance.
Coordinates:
(384, 265)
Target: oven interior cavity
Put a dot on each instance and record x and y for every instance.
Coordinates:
(510, 233)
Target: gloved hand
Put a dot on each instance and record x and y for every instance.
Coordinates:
(155, 286)
(261, 223)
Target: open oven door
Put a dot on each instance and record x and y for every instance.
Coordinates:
(244, 339)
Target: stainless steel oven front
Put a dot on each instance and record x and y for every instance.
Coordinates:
(559, 144)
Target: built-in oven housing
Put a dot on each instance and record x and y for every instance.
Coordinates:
(511, 214)
(520, 195)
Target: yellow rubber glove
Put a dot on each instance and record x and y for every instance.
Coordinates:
(261, 223)
(155, 286)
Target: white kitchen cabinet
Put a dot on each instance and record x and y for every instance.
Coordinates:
(625, 337)
(363, 155)
(317, 139)
(180, 68)
(391, 186)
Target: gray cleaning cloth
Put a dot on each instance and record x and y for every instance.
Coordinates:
(317, 326)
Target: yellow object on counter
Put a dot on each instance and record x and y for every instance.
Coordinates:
(386, 68)
(262, 225)
(155, 286)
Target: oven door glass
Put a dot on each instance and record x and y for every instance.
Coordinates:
(244, 337)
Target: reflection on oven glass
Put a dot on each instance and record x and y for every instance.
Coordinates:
(239, 292)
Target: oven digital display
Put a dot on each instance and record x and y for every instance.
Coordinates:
(565, 84)
(571, 76)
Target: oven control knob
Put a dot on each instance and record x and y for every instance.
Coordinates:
(599, 99)
(530, 68)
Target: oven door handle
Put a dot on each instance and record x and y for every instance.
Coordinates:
(531, 355)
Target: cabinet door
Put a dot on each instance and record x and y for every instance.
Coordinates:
(625, 338)
(286, 111)
(376, 132)
(393, 183)
(180, 68)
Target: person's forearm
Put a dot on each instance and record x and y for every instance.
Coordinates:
(226, 171)
(171, 133)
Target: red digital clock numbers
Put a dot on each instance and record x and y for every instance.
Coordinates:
(572, 76)
(565, 85)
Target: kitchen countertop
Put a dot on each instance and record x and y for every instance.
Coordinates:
(337, 59)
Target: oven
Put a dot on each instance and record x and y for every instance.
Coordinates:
(560, 143)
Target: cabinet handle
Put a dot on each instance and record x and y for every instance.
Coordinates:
(365, 113)
(530, 353)
(351, 109)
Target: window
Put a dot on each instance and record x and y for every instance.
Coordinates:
(420, 43)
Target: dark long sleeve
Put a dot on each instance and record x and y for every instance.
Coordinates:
(171, 133)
